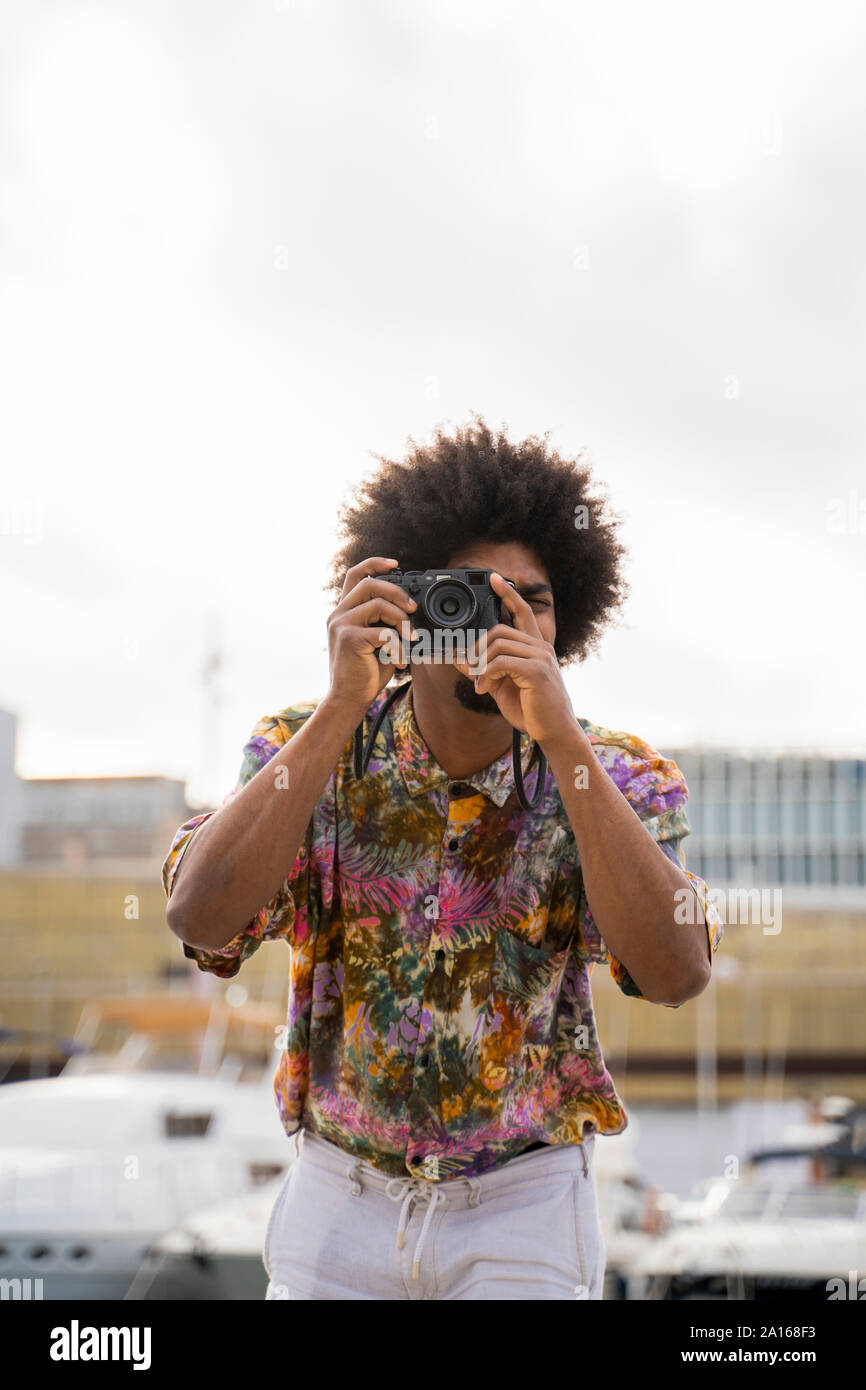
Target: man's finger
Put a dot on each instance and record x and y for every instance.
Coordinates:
(515, 604)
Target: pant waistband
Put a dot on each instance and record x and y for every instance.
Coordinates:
(456, 1193)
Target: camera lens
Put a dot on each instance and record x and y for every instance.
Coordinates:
(451, 603)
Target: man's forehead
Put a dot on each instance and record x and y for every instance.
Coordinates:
(525, 574)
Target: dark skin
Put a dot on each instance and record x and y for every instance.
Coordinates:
(634, 890)
(237, 858)
(463, 740)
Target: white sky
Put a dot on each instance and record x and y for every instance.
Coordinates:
(243, 245)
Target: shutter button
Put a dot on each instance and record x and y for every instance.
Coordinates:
(452, 844)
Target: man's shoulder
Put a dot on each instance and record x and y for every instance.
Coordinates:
(611, 743)
(646, 776)
(273, 730)
(291, 717)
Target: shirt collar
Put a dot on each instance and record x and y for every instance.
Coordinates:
(420, 770)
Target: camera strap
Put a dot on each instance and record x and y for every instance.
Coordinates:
(528, 803)
(363, 753)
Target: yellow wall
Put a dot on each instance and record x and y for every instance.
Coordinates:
(66, 939)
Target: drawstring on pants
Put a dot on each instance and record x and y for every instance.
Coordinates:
(410, 1189)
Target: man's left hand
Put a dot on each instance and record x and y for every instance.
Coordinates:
(519, 669)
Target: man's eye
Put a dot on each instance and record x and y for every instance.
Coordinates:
(542, 602)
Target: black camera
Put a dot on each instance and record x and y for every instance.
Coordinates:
(456, 600)
(453, 606)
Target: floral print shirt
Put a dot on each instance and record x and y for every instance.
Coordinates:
(440, 1015)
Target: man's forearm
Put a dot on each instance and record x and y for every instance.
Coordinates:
(630, 882)
(237, 860)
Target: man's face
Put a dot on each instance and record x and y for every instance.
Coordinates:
(513, 561)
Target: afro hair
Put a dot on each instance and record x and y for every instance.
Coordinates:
(476, 485)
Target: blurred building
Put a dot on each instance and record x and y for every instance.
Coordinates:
(84, 820)
(82, 918)
(755, 820)
(783, 820)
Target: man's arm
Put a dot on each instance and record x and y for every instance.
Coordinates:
(236, 860)
(631, 884)
(629, 880)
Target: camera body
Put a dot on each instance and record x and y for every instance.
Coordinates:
(456, 608)
(459, 600)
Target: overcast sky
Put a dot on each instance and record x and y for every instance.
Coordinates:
(245, 245)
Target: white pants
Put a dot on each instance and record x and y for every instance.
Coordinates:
(341, 1229)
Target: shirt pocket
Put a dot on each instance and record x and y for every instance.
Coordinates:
(544, 893)
(521, 1007)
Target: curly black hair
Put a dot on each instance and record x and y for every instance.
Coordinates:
(477, 485)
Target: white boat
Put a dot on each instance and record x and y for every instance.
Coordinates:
(750, 1242)
(98, 1163)
(216, 1253)
(632, 1211)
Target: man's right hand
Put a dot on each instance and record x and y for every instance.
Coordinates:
(356, 633)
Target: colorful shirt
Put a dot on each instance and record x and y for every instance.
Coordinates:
(440, 1016)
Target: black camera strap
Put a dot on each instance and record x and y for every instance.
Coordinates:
(363, 753)
(528, 803)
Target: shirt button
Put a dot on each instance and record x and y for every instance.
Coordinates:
(452, 844)
(425, 1060)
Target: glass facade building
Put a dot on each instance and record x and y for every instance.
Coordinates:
(783, 820)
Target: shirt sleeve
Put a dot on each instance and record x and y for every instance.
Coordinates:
(656, 790)
(277, 918)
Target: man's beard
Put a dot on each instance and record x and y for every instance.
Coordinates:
(466, 694)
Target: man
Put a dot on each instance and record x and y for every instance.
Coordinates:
(441, 1047)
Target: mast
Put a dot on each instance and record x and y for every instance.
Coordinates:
(211, 695)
